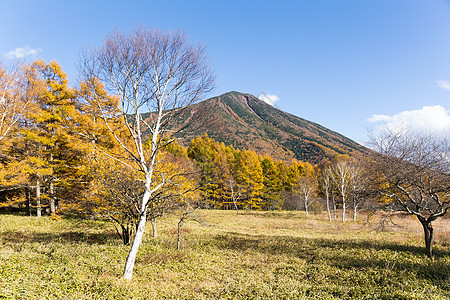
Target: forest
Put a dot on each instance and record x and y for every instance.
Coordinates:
(87, 152)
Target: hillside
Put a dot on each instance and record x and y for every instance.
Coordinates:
(242, 120)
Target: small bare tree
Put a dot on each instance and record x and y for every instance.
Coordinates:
(148, 70)
(114, 193)
(189, 211)
(307, 187)
(413, 172)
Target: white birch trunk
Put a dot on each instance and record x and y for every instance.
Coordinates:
(234, 198)
(131, 258)
(343, 209)
(52, 198)
(306, 199)
(306, 208)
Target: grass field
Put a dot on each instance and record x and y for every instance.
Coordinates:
(253, 255)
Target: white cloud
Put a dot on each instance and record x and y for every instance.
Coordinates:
(268, 98)
(434, 119)
(443, 84)
(22, 52)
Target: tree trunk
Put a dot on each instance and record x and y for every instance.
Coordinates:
(233, 197)
(179, 232)
(125, 234)
(52, 198)
(51, 188)
(154, 228)
(38, 197)
(343, 209)
(328, 207)
(28, 201)
(429, 237)
(131, 258)
(355, 207)
(334, 209)
(236, 207)
(306, 207)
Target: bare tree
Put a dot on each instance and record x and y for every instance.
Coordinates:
(148, 71)
(307, 187)
(189, 212)
(359, 185)
(325, 180)
(114, 193)
(349, 182)
(341, 180)
(413, 172)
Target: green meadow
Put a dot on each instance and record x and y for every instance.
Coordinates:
(251, 255)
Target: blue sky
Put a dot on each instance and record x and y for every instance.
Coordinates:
(345, 64)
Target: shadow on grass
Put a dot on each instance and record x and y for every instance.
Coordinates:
(12, 237)
(346, 254)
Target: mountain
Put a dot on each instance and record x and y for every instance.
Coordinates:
(242, 120)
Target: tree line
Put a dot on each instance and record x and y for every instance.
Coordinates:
(243, 179)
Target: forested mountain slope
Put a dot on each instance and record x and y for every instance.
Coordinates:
(242, 120)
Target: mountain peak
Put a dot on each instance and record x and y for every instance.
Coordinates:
(240, 97)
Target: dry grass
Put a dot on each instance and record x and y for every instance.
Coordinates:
(253, 255)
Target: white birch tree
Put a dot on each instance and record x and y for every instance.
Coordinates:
(307, 187)
(341, 179)
(350, 182)
(149, 71)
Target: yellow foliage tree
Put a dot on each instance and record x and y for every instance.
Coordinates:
(53, 153)
(249, 176)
